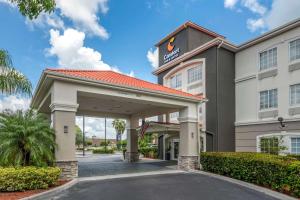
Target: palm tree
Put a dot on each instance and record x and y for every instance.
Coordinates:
(119, 126)
(11, 80)
(26, 139)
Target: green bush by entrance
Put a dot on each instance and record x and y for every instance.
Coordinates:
(27, 178)
(280, 173)
(102, 150)
(149, 152)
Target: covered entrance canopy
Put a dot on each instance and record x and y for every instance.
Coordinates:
(63, 94)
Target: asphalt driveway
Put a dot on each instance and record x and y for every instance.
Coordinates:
(181, 186)
(99, 165)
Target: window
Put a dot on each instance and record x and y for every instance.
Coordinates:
(176, 81)
(268, 59)
(295, 145)
(194, 74)
(295, 50)
(174, 115)
(294, 94)
(268, 99)
(269, 145)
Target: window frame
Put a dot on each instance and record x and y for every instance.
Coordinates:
(297, 59)
(197, 67)
(176, 81)
(297, 148)
(274, 66)
(268, 100)
(290, 95)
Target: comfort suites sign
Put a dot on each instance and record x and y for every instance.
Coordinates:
(172, 51)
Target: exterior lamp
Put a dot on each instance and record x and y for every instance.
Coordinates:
(281, 121)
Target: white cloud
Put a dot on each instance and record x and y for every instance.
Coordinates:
(71, 52)
(230, 3)
(69, 48)
(255, 24)
(281, 12)
(8, 3)
(152, 57)
(14, 103)
(44, 20)
(254, 6)
(96, 126)
(84, 15)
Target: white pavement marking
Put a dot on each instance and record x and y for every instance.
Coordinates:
(106, 177)
(266, 191)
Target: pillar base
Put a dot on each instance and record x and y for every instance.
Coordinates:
(132, 156)
(69, 169)
(188, 163)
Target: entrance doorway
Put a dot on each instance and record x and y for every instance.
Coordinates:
(175, 149)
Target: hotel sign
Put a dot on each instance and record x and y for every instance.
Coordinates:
(172, 51)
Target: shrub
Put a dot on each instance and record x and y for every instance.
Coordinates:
(103, 150)
(277, 172)
(27, 178)
(149, 152)
(26, 139)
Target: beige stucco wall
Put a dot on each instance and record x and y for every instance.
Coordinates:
(248, 86)
(65, 150)
(246, 136)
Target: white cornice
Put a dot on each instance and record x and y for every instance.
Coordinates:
(188, 119)
(63, 107)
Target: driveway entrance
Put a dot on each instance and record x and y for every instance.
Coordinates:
(100, 165)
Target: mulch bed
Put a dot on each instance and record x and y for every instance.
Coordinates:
(20, 195)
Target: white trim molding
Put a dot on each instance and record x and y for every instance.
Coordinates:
(63, 107)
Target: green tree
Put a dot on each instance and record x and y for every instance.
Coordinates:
(11, 80)
(119, 126)
(33, 8)
(26, 139)
(79, 136)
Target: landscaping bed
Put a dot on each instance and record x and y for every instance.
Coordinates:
(20, 195)
(279, 173)
(27, 178)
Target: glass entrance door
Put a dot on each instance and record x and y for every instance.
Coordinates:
(176, 150)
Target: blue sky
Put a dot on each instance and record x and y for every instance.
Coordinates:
(118, 35)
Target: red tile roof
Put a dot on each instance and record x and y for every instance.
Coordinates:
(115, 78)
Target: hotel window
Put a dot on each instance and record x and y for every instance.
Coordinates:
(268, 99)
(194, 74)
(269, 145)
(295, 94)
(295, 146)
(176, 81)
(295, 50)
(268, 59)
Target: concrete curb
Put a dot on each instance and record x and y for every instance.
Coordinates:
(53, 191)
(251, 186)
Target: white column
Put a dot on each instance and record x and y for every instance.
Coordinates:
(132, 154)
(63, 115)
(188, 146)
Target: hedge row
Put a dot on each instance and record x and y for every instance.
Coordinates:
(102, 150)
(27, 178)
(149, 152)
(277, 172)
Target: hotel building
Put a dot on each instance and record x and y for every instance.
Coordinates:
(247, 87)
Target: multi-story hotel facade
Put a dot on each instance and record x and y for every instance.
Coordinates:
(267, 83)
(248, 87)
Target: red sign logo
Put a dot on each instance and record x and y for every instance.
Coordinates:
(170, 46)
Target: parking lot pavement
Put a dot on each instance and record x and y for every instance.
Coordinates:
(99, 165)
